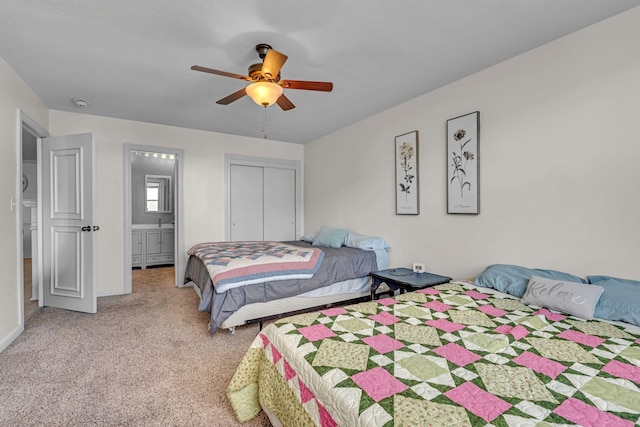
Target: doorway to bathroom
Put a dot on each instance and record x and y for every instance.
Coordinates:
(29, 216)
(153, 210)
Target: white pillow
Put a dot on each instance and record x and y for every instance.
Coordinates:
(574, 298)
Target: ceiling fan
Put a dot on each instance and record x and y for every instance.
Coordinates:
(266, 88)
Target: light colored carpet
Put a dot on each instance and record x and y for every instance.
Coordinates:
(145, 359)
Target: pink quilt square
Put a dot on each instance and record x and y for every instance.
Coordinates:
(492, 311)
(378, 383)
(638, 341)
(623, 370)
(457, 354)
(331, 312)
(477, 401)
(276, 354)
(288, 371)
(503, 329)
(554, 317)
(436, 306)
(305, 393)
(326, 420)
(383, 343)
(384, 318)
(265, 340)
(429, 291)
(387, 301)
(519, 332)
(445, 325)
(476, 294)
(581, 338)
(585, 415)
(540, 364)
(316, 332)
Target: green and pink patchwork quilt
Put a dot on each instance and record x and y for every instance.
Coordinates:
(451, 355)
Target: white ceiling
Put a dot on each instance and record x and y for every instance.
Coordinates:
(131, 58)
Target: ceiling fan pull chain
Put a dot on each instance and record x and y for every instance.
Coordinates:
(264, 124)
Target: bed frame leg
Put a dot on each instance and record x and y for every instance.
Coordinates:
(232, 329)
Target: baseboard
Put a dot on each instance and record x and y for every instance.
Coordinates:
(6, 341)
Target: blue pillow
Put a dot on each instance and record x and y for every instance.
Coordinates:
(513, 279)
(361, 241)
(619, 301)
(330, 237)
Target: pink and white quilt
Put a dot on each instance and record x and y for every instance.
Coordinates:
(451, 355)
(235, 264)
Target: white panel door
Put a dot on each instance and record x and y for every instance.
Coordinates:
(246, 201)
(279, 204)
(67, 223)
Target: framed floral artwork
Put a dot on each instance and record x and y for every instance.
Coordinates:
(407, 195)
(463, 157)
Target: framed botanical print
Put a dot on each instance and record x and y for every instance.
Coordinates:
(463, 167)
(407, 194)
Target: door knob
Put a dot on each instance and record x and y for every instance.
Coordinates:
(96, 227)
(86, 228)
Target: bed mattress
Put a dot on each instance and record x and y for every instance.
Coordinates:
(339, 264)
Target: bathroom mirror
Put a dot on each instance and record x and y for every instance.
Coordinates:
(157, 193)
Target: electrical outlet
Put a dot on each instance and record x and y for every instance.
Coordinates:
(418, 267)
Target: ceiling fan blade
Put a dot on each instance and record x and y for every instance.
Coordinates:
(233, 97)
(306, 85)
(284, 103)
(219, 73)
(272, 64)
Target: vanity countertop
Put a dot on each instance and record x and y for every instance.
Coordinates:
(150, 226)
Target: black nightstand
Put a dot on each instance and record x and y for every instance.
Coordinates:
(404, 279)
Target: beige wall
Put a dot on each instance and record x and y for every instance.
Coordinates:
(559, 154)
(15, 94)
(204, 186)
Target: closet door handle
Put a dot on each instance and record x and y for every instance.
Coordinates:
(86, 228)
(96, 227)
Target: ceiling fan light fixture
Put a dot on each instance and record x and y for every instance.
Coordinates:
(264, 93)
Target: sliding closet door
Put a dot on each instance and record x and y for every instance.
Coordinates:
(279, 204)
(262, 202)
(246, 202)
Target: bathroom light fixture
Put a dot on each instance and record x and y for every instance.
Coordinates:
(155, 155)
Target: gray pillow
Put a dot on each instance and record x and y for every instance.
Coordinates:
(574, 298)
(513, 279)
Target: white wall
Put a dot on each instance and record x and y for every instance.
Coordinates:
(559, 153)
(203, 190)
(15, 95)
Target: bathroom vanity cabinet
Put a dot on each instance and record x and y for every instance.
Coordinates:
(152, 245)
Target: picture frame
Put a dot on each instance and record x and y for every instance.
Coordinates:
(407, 181)
(463, 164)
